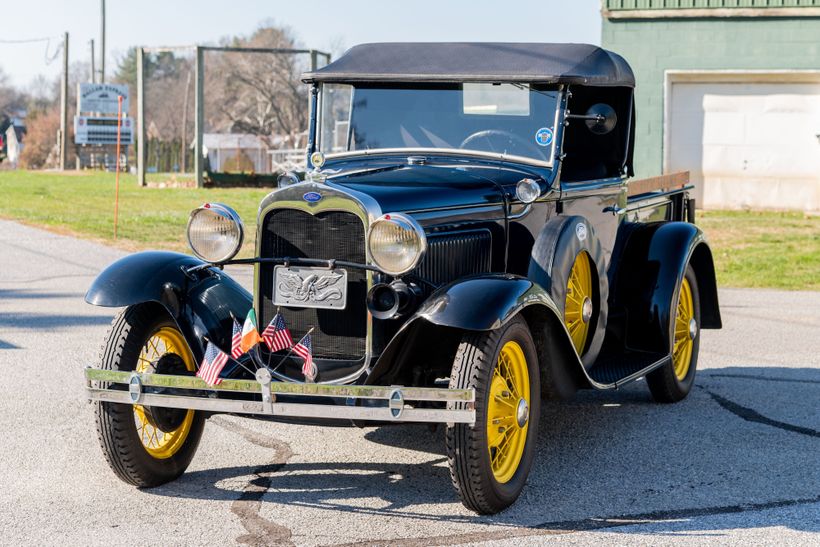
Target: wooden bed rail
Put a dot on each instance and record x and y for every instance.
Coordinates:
(662, 183)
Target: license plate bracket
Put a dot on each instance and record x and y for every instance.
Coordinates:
(310, 287)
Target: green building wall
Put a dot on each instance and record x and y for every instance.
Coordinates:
(652, 46)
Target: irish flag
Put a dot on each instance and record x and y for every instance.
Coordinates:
(250, 335)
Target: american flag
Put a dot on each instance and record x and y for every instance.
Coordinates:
(236, 340)
(304, 349)
(212, 364)
(276, 334)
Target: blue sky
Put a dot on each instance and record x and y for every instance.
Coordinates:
(320, 24)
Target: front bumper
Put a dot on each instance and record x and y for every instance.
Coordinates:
(363, 403)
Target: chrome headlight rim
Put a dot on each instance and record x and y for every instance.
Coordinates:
(410, 223)
(225, 211)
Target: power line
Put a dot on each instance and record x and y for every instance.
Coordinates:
(29, 40)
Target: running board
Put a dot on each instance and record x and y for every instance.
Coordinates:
(614, 371)
(393, 398)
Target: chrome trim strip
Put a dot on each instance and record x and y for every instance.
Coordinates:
(334, 198)
(446, 152)
(394, 411)
(291, 410)
(282, 388)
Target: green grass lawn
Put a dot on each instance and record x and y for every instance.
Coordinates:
(779, 250)
(83, 204)
(764, 249)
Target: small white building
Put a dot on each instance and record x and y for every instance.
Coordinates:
(236, 152)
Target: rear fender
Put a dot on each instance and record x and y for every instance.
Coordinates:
(201, 303)
(481, 303)
(652, 267)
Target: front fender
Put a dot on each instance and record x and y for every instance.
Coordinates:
(201, 303)
(649, 278)
(482, 303)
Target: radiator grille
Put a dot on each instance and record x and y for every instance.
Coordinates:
(337, 334)
(454, 255)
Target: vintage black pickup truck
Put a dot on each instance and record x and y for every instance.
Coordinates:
(466, 241)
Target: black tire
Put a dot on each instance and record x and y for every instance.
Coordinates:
(663, 383)
(467, 446)
(116, 426)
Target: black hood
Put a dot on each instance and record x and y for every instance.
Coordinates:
(402, 187)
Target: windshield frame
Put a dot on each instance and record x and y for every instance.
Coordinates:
(315, 139)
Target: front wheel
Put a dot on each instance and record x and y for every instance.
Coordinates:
(490, 461)
(147, 446)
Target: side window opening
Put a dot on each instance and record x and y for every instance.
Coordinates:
(590, 156)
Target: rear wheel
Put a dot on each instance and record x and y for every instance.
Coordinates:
(147, 446)
(673, 381)
(490, 461)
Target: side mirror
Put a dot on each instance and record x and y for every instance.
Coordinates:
(601, 118)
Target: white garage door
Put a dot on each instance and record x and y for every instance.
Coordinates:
(747, 145)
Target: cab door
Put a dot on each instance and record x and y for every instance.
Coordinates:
(603, 204)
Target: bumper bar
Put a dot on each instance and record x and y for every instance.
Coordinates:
(398, 401)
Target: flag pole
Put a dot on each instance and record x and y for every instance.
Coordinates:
(290, 350)
(229, 357)
(270, 353)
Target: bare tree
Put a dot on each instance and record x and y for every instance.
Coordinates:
(257, 93)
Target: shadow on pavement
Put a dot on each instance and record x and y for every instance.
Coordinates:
(27, 320)
(29, 294)
(605, 460)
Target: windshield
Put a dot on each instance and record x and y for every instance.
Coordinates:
(515, 120)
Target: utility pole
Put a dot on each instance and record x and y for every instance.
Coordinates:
(64, 107)
(184, 151)
(93, 70)
(199, 119)
(102, 41)
(141, 116)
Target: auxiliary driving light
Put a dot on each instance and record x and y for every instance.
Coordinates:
(527, 190)
(215, 232)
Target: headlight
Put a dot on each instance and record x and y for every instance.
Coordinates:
(215, 232)
(396, 243)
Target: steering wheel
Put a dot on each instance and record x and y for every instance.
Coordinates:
(498, 134)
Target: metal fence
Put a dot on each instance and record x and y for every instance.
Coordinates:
(222, 114)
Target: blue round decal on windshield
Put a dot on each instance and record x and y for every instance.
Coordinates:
(543, 137)
(312, 197)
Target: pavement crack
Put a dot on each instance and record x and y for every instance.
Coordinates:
(751, 415)
(261, 531)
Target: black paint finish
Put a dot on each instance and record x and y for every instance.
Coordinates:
(200, 303)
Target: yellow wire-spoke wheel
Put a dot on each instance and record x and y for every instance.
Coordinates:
(508, 411)
(685, 331)
(158, 443)
(578, 306)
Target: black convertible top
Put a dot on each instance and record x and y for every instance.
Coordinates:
(582, 64)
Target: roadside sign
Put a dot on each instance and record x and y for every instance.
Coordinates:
(102, 130)
(101, 98)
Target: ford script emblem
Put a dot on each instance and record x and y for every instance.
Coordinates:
(312, 197)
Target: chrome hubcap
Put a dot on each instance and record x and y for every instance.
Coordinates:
(522, 413)
(586, 310)
(693, 329)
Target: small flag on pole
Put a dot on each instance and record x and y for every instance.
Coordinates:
(212, 364)
(276, 335)
(250, 336)
(236, 341)
(304, 349)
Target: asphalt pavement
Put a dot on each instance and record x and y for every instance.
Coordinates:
(736, 463)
